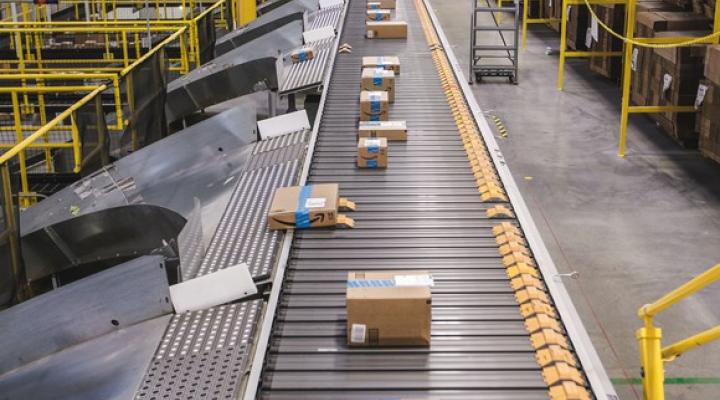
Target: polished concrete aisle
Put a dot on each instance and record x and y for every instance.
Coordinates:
(633, 227)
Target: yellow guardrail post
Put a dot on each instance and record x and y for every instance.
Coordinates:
(126, 55)
(652, 355)
(19, 135)
(11, 230)
(75, 132)
(247, 11)
(630, 8)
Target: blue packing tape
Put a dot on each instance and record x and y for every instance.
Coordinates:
(371, 283)
(373, 148)
(378, 17)
(302, 214)
(371, 163)
(302, 56)
(375, 104)
(374, 6)
(377, 78)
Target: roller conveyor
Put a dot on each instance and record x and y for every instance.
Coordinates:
(423, 213)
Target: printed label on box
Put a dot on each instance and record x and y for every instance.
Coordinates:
(357, 333)
(414, 280)
(702, 89)
(667, 81)
(588, 37)
(633, 64)
(594, 29)
(315, 202)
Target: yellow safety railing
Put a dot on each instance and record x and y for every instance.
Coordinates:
(652, 355)
(57, 124)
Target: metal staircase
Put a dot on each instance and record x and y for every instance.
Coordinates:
(493, 43)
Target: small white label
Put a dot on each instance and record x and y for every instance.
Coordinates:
(357, 333)
(594, 29)
(550, 3)
(667, 81)
(633, 64)
(569, 8)
(414, 280)
(315, 202)
(370, 34)
(702, 89)
(588, 38)
(372, 142)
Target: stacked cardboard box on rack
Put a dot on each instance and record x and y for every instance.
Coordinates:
(709, 121)
(669, 76)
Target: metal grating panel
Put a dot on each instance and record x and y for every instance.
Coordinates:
(307, 74)
(325, 17)
(202, 355)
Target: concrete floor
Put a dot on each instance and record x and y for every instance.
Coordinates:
(633, 227)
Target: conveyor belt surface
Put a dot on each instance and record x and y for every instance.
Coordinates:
(424, 212)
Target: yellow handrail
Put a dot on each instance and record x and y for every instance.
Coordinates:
(652, 355)
(24, 144)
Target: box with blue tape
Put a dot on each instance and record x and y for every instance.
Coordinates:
(373, 105)
(391, 63)
(389, 308)
(391, 130)
(378, 15)
(380, 4)
(372, 153)
(306, 53)
(386, 29)
(378, 79)
(311, 206)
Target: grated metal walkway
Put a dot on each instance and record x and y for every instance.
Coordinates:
(423, 212)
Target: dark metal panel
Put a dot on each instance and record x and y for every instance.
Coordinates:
(102, 303)
(109, 367)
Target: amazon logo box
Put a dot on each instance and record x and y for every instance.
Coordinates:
(391, 63)
(372, 153)
(374, 105)
(378, 79)
(304, 207)
(389, 308)
(391, 130)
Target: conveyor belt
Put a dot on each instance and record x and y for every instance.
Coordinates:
(447, 203)
(424, 212)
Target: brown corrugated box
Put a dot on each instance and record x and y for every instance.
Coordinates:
(614, 17)
(373, 106)
(378, 79)
(710, 123)
(378, 15)
(386, 29)
(303, 54)
(317, 203)
(379, 4)
(650, 24)
(391, 63)
(712, 64)
(391, 130)
(372, 153)
(578, 22)
(389, 308)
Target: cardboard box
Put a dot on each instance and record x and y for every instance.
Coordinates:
(712, 64)
(386, 29)
(578, 22)
(304, 54)
(391, 63)
(378, 15)
(303, 207)
(614, 17)
(391, 130)
(650, 24)
(380, 4)
(389, 308)
(373, 106)
(553, 9)
(372, 153)
(378, 79)
(709, 123)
